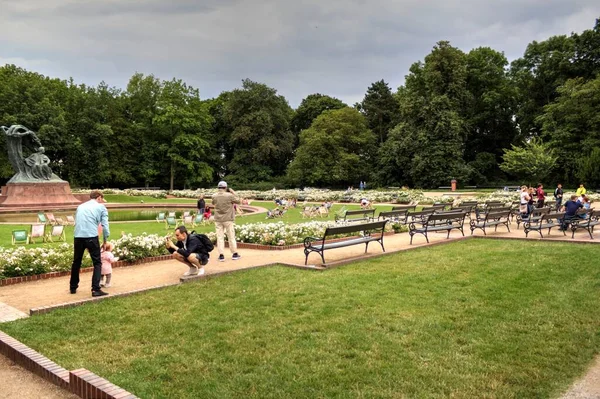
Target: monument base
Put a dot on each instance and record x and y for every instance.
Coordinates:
(37, 195)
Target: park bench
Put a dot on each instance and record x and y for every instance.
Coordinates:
(370, 231)
(356, 216)
(592, 219)
(438, 222)
(393, 216)
(435, 207)
(418, 216)
(547, 220)
(397, 214)
(495, 217)
(481, 214)
(535, 214)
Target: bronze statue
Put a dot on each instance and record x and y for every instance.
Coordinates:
(36, 167)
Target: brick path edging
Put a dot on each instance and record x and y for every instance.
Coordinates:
(81, 382)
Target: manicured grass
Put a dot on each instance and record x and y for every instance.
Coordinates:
(511, 320)
(152, 227)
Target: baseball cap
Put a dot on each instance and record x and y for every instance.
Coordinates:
(222, 184)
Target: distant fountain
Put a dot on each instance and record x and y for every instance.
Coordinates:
(34, 184)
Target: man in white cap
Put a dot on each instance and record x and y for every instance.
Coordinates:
(224, 215)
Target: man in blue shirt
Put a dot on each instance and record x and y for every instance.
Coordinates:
(88, 217)
(571, 207)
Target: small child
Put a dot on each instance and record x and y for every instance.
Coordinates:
(108, 259)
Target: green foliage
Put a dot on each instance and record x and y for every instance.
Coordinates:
(588, 169)
(337, 149)
(426, 149)
(261, 140)
(380, 108)
(310, 108)
(532, 162)
(572, 125)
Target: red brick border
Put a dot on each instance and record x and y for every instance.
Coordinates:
(81, 382)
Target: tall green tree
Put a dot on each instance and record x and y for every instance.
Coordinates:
(380, 109)
(184, 122)
(261, 140)
(337, 149)
(427, 148)
(537, 75)
(310, 108)
(571, 125)
(533, 161)
(489, 116)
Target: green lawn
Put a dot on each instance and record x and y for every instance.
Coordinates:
(152, 227)
(511, 320)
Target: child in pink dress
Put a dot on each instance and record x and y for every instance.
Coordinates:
(108, 259)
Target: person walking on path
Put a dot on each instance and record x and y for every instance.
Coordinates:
(108, 259)
(541, 195)
(201, 205)
(558, 196)
(88, 216)
(189, 250)
(224, 217)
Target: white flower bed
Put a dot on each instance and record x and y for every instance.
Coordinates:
(131, 247)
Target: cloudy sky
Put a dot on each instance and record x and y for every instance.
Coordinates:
(298, 47)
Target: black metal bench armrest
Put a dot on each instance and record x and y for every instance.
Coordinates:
(309, 240)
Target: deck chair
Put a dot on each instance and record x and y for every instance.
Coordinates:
(42, 218)
(323, 212)
(171, 215)
(160, 217)
(70, 220)
(38, 230)
(170, 221)
(187, 220)
(51, 218)
(307, 212)
(20, 237)
(60, 221)
(57, 232)
(186, 213)
(198, 220)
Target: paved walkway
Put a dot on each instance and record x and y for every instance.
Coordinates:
(16, 300)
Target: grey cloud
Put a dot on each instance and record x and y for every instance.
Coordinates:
(334, 47)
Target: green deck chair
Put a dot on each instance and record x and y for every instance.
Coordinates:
(20, 237)
(170, 222)
(42, 218)
(160, 217)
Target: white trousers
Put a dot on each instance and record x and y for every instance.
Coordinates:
(223, 228)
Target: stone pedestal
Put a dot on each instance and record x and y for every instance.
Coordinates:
(40, 195)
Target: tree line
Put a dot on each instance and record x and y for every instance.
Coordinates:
(467, 116)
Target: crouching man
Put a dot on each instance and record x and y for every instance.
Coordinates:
(189, 250)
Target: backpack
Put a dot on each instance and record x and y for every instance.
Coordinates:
(206, 242)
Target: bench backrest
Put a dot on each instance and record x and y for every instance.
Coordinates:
(498, 214)
(453, 210)
(404, 208)
(449, 217)
(392, 214)
(355, 228)
(420, 214)
(434, 207)
(468, 203)
(365, 213)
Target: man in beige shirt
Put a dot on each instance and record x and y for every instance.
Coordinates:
(224, 216)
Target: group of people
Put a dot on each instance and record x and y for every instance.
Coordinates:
(91, 222)
(532, 198)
